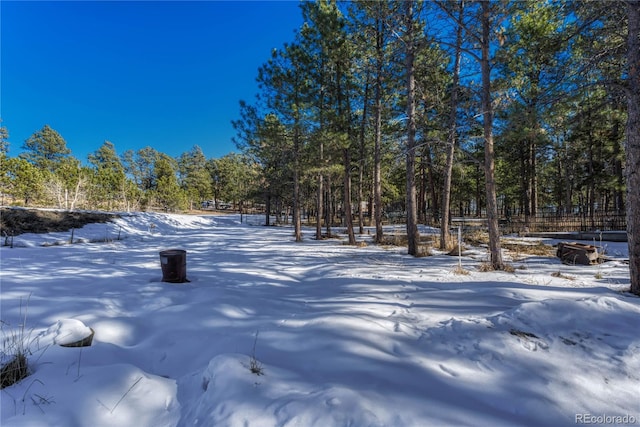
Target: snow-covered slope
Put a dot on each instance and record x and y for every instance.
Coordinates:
(337, 335)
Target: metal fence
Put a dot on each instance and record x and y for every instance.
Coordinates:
(548, 223)
(542, 222)
(568, 222)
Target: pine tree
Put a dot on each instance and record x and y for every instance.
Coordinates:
(22, 180)
(109, 176)
(166, 191)
(194, 176)
(4, 165)
(234, 179)
(4, 140)
(263, 141)
(45, 149)
(284, 91)
(376, 21)
(458, 12)
(410, 45)
(495, 251)
(332, 63)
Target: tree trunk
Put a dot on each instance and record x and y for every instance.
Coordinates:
(76, 193)
(344, 110)
(431, 179)
(591, 185)
(422, 189)
(633, 144)
(361, 196)
(361, 161)
(320, 193)
(328, 206)
(618, 195)
(267, 220)
(377, 175)
(479, 201)
(348, 215)
(297, 219)
(534, 177)
(321, 183)
(451, 140)
(489, 165)
(319, 204)
(568, 180)
(412, 213)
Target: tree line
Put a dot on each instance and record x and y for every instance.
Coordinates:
(46, 173)
(428, 108)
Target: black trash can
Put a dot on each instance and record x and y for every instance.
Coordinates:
(174, 265)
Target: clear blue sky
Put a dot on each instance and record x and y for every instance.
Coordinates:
(151, 73)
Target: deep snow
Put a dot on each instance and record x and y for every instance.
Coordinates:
(343, 336)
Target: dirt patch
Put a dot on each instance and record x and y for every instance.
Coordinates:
(525, 248)
(399, 239)
(17, 221)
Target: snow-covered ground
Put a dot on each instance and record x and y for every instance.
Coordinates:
(340, 335)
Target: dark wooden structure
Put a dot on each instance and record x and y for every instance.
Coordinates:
(578, 253)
